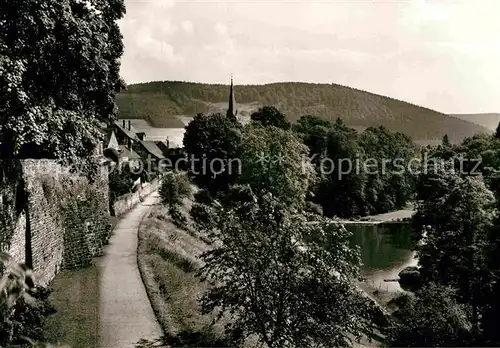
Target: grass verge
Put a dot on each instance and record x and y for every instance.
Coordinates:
(169, 259)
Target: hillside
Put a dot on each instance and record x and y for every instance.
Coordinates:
(489, 121)
(165, 104)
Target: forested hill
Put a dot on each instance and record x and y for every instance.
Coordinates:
(164, 104)
(489, 121)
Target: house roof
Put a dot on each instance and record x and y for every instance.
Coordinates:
(111, 141)
(129, 153)
(129, 133)
(152, 148)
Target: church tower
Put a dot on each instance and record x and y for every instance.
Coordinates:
(231, 112)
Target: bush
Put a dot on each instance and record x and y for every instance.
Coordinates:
(203, 196)
(178, 218)
(23, 306)
(431, 318)
(26, 319)
(120, 181)
(174, 188)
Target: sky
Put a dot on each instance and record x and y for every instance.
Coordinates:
(444, 55)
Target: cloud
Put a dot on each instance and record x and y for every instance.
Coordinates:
(188, 26)
(220, 28)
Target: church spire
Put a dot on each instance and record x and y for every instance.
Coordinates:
(231, 112)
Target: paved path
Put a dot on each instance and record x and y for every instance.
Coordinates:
(125, 313)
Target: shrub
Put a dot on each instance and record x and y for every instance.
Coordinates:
(178, 218)
(174, 188)
(23, 306)
(120, 180)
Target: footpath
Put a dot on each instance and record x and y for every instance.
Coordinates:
(105, 305)
(125, 313)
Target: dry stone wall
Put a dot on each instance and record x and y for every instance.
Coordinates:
(126, 202)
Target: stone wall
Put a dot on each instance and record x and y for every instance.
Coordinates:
(64, 219)
(126, 202)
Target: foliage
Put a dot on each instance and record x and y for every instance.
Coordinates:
(211, 141)
(283, 276)
(23, 306)
(12, 198)
(52, 100)
(121, 180)
(27, 317)
(446, 140)
(159, 101)
(392, 184)
(313, 131)
(270, 116)
(430, 318)
(174, 188)
(342, 188)
(456, 214)
(275, 160)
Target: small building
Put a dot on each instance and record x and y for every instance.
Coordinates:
(129, 156)
(149, 151)
(124, 132)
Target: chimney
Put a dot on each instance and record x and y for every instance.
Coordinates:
(129, 125)
(123, 123)
(141, 135)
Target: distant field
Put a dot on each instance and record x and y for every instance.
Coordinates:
(489, 121)
(167, 105)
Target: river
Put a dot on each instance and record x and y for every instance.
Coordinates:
(386, 248)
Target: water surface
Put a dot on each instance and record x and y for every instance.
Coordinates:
(386, 249)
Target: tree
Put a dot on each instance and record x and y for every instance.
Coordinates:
(59, 74)
(430, 318)
(174, 188)
(392, 184)
(270, 116)
(212, 142)
(497, 132)
(446, 140)
(275, 160)
(284, 277)
(456, 214)
(313, 131)
(342, 188)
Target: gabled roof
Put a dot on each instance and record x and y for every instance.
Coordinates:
(129, 133)
(129, 153)
(152, 148)
(111, 141)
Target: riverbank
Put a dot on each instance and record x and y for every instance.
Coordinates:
(390, 217)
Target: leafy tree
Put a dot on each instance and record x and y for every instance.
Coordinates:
(275, 160)
(59, 73)
(314, 132)
(430, 318)
(270, 116)
(497, 132)
(392, 184)
(284, 277)
(174, 188)
(212, 142)
(456, 214)
(342, 188)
